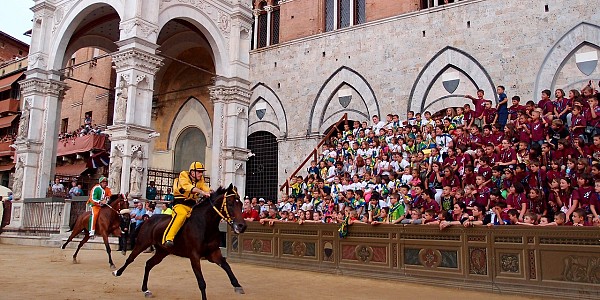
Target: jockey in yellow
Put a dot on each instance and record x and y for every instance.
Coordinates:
(99, 195)
(187, 190)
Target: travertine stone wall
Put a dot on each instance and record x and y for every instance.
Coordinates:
(490, 42)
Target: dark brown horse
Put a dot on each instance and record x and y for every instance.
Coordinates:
(198, 237)
(108, 222)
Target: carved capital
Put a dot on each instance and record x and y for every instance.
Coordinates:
(269, 8)
(137, 59)
(229, 94)
(42, 86)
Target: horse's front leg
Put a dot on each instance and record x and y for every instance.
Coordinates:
(107, 245)
(195, 260)
(217, 258)
(153, 261)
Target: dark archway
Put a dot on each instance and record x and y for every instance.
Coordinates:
(262, 168)
(190, 147)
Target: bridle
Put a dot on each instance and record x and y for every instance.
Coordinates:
(223, 212)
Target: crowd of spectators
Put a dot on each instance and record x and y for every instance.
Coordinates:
(81, 131)
(479, 164)
(85, 129)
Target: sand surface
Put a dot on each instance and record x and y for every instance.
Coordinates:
(47, 273)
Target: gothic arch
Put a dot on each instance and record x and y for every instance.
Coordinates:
(445, 58)
(343, 75)
(191, 114)
(67, 19)
(279, 128)
(582, 34)
(211, 31)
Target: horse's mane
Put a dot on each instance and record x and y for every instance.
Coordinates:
(214, 196)
(113, 199)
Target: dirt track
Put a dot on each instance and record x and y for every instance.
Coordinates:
(46, 273)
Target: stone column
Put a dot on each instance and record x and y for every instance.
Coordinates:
(136, 64)
(256, 13)
(269, 10)
(37, 138)
(231, 98)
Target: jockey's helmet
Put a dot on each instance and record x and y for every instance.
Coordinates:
(197, 166)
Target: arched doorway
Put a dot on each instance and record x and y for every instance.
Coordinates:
(190, 146)
(261, 174)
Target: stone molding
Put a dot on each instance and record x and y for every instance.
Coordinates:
(219, 15)
(145, 28)
(558, 55)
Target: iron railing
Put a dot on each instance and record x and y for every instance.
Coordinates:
(314, 153)
(42, 216)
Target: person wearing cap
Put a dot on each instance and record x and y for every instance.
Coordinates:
(187, 191)
(99, 195)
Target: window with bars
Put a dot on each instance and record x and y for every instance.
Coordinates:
(262, 30)
(275, 26)
(360, 12)
(267, 25)
(329, 15)
(434, 3)
(344, 13)
(262, 168)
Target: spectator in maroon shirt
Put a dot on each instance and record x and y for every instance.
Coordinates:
(468, 115)
(546, 103)
(538, 127)
(578, 121)
(489, 114)
(508, 155)
(478, 102)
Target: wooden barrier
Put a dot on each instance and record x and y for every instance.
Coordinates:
(557, 261)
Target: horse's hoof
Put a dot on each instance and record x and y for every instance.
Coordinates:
(75, 261)
(115, 273)
(112, 267)
(148, 294)
(239, 290)
(123, 252)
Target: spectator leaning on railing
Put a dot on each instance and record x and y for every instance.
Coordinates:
(536, 164)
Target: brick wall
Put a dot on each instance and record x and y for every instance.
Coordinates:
(81, 98)
(10, 48)
(380, 9)
(302, 18)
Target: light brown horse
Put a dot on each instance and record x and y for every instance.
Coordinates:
(108, 222)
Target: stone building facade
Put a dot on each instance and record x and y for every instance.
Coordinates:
(158, 48)
(252, 86)
(400, 63)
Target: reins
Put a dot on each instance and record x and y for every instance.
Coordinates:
(223, 212)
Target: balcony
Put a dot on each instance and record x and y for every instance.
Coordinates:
(5, 149)
(81, 144)
(9, 106)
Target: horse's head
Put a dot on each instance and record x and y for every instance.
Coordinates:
(231, 210)
(118, 202)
